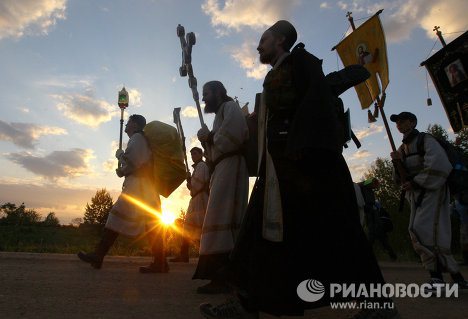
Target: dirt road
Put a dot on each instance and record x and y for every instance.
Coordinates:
(60, 286)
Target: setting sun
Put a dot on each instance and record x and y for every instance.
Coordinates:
(168, 218)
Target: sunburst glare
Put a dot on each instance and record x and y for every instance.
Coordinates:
(168, 218)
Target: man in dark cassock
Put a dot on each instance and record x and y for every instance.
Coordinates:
(302, 221)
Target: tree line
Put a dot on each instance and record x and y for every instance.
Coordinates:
(95, 213)
(12, 215)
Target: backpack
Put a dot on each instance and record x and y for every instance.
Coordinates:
(339, 82)
(457, 180)
(168, 157)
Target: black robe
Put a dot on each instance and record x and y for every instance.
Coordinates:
(322, 236)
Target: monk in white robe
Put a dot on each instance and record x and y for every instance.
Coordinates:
(228, 187)
(198, 184)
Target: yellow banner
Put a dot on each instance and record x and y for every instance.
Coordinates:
(366, 46)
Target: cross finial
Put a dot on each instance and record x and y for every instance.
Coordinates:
(439, 34)
(351, 20)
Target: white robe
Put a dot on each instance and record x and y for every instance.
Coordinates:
(229, 182)
(272, 228)
(430, 226)
(197, 205)
(125, 217)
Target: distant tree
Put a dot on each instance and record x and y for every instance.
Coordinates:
(30, 217)
(438, 131)
(51, 220)
(388, 192)
(76, 222)
(13, 215)
(462, 141)
(6, 209)
(97, 212)
(180, 220)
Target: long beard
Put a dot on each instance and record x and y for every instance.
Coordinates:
(211, 108)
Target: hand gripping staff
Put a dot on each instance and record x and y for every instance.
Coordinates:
(180, 130)
(186, 44)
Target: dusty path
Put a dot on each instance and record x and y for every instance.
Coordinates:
(60, 286)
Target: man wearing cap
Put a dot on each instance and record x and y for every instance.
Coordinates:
(290, 232)
(429, 198)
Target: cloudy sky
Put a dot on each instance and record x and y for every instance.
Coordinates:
(64, 61)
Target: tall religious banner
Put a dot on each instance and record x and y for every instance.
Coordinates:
(366, 46)
(448, 69)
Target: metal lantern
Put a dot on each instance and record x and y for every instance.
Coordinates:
(123, 104)
(123, 98)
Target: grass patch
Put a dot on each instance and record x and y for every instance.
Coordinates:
(70, 240)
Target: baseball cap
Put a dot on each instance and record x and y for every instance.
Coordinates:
(403, 116)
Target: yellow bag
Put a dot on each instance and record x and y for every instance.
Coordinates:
(168, 157)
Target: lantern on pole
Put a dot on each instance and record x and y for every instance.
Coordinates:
(123, 104)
